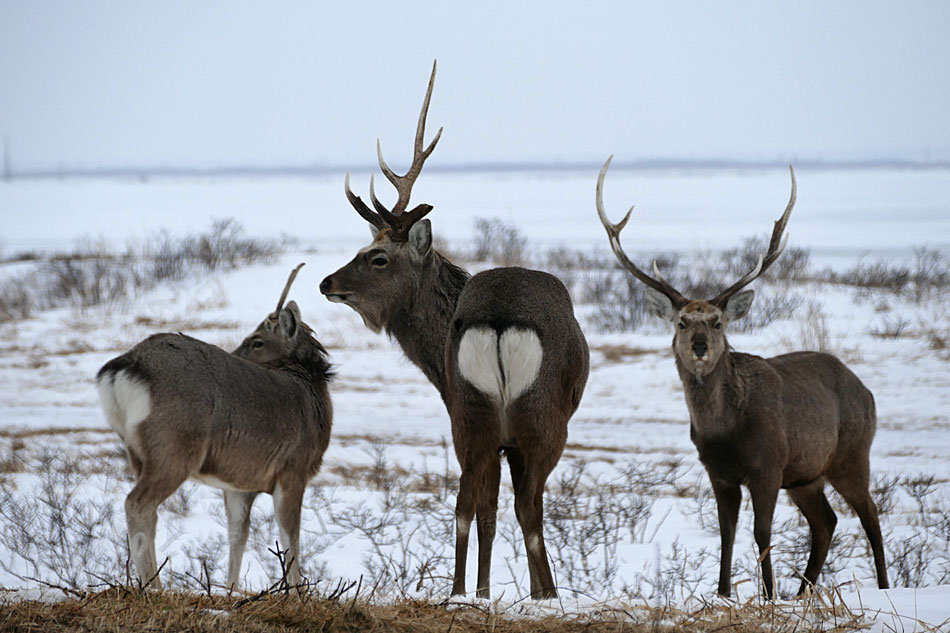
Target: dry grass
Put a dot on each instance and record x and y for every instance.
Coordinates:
(126, 609)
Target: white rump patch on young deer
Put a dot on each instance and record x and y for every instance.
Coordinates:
(504, 368)
(126, 401)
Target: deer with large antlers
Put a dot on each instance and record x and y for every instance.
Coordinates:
(257, 420)
(790, 422)
(503, 348)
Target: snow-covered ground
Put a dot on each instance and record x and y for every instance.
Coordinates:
(382, 506)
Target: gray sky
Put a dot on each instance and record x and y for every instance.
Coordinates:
(91, 84)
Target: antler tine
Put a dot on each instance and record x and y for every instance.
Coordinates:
(404, 183)
(776, 246)
(613, 234)
(290, 281)
(365, 212)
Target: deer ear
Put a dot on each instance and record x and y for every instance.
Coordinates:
(420, 238)
(289, 318)
(374, 230)
(659, 304)
(738, 305)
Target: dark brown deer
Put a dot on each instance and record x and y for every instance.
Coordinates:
(257, 420)
(503, 348)
(793, 421)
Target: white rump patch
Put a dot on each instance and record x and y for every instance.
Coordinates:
(126, 402)
(520, 353)
(478, 361)
(503, 368)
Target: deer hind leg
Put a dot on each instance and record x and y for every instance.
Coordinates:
(813, 503)
(141, 514)
(486, 518)
(288, 497)
(728, 498)
(854, 486)
(465, 505)
(528, 479)
(764, 495)
(237, 505)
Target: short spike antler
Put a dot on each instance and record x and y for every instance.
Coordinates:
(613, 233)
(776, 246)
(398, 219)
(283, 295)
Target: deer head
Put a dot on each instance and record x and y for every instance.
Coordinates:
(699, 339)
(276, 336)
(382, 274)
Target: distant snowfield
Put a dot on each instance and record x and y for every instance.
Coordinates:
(838, 211)
(632, 414)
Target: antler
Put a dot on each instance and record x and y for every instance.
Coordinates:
(776, 246)
(398, 218)
(613, 233)
(283, 295)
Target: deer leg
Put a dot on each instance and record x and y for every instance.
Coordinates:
(516, 466)
(287, 499)
(529, 510)
(486, 518)
(764, 495)
(464, 511)
(855, 491)
(141, 514)
(728, 497)
(813, 503)
(237, 505)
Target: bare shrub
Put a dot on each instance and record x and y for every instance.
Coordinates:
(499, 242)
(93, 275)
(813, 329)
(890, 326)
(792, 265)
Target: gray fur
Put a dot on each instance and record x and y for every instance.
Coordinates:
(252, 426)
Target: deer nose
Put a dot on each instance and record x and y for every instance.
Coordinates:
(325, 285)
(699, 347)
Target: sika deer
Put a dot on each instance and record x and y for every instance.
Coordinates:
(792, 421)
(503, 348)
(257, 420)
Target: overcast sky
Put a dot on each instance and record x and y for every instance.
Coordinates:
(94, 84)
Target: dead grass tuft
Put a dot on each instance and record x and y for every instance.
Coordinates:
(121, 608)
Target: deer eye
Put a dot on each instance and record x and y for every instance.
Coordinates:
(718, 325)
(379, 261)
(681, 325)
(257, 344)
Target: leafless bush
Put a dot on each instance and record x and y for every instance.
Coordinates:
(56, 535)
(499, 242)
(928, 273)
(890, 326)
(92, 274)
(792, 265)
(814, 334)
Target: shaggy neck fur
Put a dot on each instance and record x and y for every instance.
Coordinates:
(421, 323)
(714, 400)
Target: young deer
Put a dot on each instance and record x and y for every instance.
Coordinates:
(503, 348)
(257, 420)
(792, 421)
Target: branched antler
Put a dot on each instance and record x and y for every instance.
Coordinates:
(613, 233)
(398, 219)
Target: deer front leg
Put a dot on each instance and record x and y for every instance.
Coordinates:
(728, 497)
(237, 506)
(764, 495)
(288, 495)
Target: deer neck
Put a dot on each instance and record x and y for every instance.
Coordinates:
(421, 324)
(715, 399)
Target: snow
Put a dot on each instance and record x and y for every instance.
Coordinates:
(386, 413)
